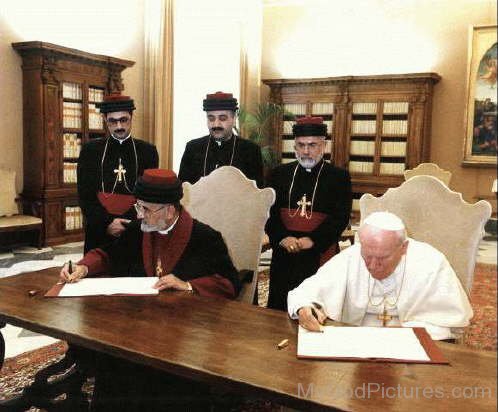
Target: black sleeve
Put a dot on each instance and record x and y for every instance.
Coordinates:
(274, 227)
(186, 165)
(88, 183)
(331, 228)
(153, 162)
(255, 166)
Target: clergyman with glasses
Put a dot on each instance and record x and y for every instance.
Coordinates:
(108, 168)
(186, 255)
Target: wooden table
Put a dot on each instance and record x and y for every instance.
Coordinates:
(233, 345)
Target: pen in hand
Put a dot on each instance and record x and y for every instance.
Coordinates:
(69, 271)
(315, 315)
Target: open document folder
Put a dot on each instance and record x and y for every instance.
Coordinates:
(409, 345)
(105, 286)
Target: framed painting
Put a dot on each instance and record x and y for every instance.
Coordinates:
(480, 147)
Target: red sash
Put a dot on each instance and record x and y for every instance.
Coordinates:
(170, 246)
(300, 223)
(115, 203)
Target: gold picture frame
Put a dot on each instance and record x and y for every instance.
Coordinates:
(480, 147)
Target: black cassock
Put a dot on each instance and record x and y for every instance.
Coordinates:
(99, 209)
(246, 157)
(329, 217)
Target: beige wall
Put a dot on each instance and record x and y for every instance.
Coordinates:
(318, 38)
(108, 27)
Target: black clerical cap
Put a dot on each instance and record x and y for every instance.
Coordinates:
(309, 126)
(220, 101)
(116, 102)
(158, 186)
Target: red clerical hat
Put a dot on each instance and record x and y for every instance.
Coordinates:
(220, 101)
(116, 102)
(158, 186)
(309, 126)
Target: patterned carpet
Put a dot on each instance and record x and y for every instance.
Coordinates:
(17, 372)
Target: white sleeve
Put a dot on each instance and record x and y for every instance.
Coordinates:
(326, 288)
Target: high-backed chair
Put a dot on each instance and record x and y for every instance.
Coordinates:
(429, 169)
(233, 205)
(439, 216)
(11, 217)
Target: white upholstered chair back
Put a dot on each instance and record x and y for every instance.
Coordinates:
(8, 194)
(233, 205)
(429, 169)
(436, 215)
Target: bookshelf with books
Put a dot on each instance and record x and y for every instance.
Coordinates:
(379, 125)
(61, 87)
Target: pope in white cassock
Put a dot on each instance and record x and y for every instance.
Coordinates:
(386, 280)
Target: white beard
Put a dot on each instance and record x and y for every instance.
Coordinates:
(144, 227)
(308, 163)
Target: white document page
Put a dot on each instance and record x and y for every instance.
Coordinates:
(361, 342)
(110, 286)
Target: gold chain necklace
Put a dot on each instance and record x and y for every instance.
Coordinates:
(384, 298)
(207, 150)
(117, 176)
(291, 215)
(384, 317)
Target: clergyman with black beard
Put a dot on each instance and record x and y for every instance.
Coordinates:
(310, 213)
(222, 147)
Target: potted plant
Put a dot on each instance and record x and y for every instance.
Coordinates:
(258, 126)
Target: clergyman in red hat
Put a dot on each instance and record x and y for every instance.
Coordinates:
(311, 211)
(221, 147)
(186, 255)
(108, 169)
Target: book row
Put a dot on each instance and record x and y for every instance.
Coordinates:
(72, 91)
(388, 108)
(392, 168)
(367, 148)
(318, 109)
(397, 127)
(69, 172)
(389, 127)
(298, 109)
(71, 144)
(73, 218)
(71, 115)
(95, 95)
(95, 120)
(360, 167)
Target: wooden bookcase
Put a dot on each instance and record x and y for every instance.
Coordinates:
(60, 89)
(378, 125)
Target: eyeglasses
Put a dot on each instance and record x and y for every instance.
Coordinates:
(123, 120)
(141, 209)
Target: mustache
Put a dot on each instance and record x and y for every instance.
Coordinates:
(119, 131)
(217, 129)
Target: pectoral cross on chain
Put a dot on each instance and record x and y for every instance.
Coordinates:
(384, 317)
(121, 171)
(302, 204)
(159, 268)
